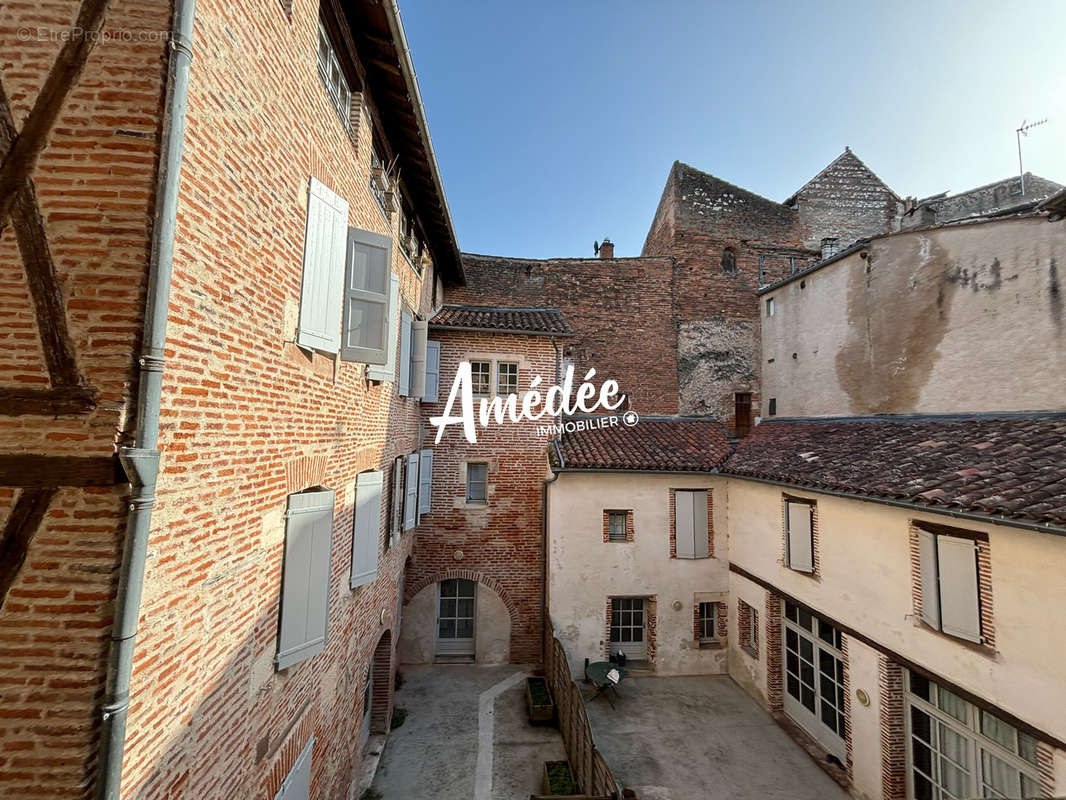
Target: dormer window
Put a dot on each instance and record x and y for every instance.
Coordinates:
(329, 70)
(729, 261)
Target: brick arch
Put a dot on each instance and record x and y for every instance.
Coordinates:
(470, 575)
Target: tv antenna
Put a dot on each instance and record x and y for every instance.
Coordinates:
(1023, 130)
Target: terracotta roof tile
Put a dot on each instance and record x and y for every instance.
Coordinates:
(667, 444)
(542, 321)
(1010, 466)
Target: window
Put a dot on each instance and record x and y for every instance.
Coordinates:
(958, 750)
(367, 289)
(506, 378)
(769, 306)
(396, 523)
(479, 377)
(814, 677)
(799, 535)
(618, 526)
(322, 287)
(297, 784)
(829, 247)
(366, 528)
(708, 622)
(305, 576)
(410, 499)
(379, 183)
(771, 409)
(748, 628)
(742, 413)
(729, 261)
(477, 476)
(691, 529)
(948, 584)
(329, 70)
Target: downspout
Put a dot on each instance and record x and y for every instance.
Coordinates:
(141, 461)
(544, 522)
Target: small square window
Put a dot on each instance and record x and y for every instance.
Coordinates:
(477, 476)
(480, 372)
(616, 526)
(708, 618)
(506, 378)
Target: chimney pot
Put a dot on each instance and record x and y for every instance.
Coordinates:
(606, 249)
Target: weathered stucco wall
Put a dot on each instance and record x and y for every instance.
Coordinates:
(583, 570)
(418, 636)
(864, 582)
(967, 318)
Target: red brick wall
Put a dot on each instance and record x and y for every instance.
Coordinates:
(94, 183)
(500, 540)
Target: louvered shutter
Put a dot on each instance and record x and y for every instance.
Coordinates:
(701, 541)
(297, 784)
(405, 354)
(367, 283)
(683, 522)
(800, 542)
(432, 392)
(322, 287)
(387, 371)
(928, 577)
(425, 482)
(397, 497)
(419, 329)
(305, 577)
(960, 608)
(366, 531)
(410, 500)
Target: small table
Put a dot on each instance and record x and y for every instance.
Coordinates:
(599, 672)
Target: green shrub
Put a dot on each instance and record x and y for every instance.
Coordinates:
(398, 717)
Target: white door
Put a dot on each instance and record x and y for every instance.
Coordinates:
(814, 677)
(455, 618)
(629, 627)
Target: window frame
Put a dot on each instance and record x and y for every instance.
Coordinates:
(770, 306)
(499, 387)
(484, 483)
(475, 379)
(703, 620)
(616, 514)
(338, 92)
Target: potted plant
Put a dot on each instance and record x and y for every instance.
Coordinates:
(539, 701)
(559, 779)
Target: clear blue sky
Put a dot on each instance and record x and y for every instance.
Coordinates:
(555, 123)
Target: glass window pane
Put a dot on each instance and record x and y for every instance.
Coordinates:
(923, 789)
(806, 650)
(447, 607)
(447, 629)
(807, 698)
(791, 640)
(1030, 787)
(807, 674)
(921, 725)
(953, 704)
(825, 632)
(805, 620)
(366, 323)
(998, 731)
(1027, 747)
(792, 662)
(826, 663)
(791, 611)
(464, 629)
(466, 608)
(793, 686)
(953, 745)
(829, 716)
(828, 689)
(921, 687)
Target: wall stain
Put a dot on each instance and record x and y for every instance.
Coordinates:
(890, 347)
(1054, 293)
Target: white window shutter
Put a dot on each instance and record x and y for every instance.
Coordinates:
(684, 502)
(305, 577)
(419, 331)
(701, 541)
(322, 287)
(297, 784)
(432, 392)
(367, 285)
(800, 539)
(405, 355)
(410, 500)
(960, 606)
(425, 482)
(366, 531)
(387, 371)
(397, 497)
(928, 576)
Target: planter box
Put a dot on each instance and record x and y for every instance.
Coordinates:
(539, 701)
(561, 775)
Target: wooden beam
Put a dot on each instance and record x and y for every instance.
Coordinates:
(18, 532)
(21, 157)
(33, 471)
(46, 402)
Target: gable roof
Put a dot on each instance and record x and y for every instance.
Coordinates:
(1010, 466)
(497, 319)
(653, 444)
(686, 176)
(847, 155)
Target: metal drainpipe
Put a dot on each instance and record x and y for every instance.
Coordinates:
(544, 523)
(141, 462)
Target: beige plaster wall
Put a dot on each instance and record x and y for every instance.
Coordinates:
(967, 318)
(418, 632)
(583, 570)
(865, 583)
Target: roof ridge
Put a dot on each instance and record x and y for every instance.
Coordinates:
(847, 152)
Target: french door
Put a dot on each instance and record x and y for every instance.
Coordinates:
(628, 627)
(814, 677)
(455, 618)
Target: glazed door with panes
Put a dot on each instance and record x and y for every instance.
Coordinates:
(455, 618)
(628, 627)
(814, 677)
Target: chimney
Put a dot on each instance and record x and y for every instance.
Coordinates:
(606, 249)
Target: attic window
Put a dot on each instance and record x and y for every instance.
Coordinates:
(830, 247)
(329, 70)
(729, 261)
